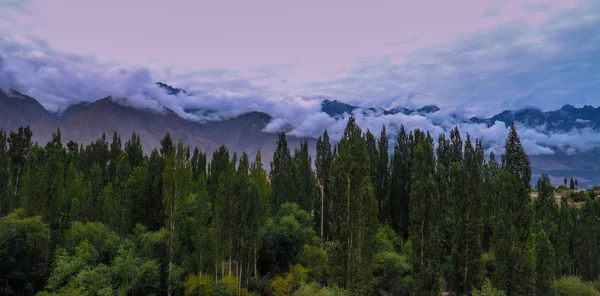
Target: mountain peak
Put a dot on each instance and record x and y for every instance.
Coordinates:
(336, 108)
(171, 90)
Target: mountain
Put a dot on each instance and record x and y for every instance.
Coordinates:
(336, 108)
(565, 119)
(171, 90)
(18, 110)
(86, 123)
(245, 133)
(423, 110)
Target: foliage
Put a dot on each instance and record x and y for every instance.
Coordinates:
(573, 286)
(487, 290)
(105, 219)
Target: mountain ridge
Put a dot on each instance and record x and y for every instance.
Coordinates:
(86, 122)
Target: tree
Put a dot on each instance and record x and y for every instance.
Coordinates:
(259, 208)
(285, 236)
(544, 263)
(25, 248)
(115, 153)
(19, 145)
(382, 176)
(400, 183)
(5, 195)
(134, 151)
(198, 164)
(305, 177)
(176, 179)
(353, 213)
(514, 249)
(467, 243)
(323, 166)
(425, 218)
(283, 181)
(572, 184)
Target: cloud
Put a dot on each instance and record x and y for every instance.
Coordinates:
(511, 66)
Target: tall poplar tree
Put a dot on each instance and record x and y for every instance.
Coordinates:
(400, 183)
(467, 242)
(176, 178)
(425, 218)
(353, 213)
(515, 269)
(323, 166)
(382, 180)
(283, 183)
(305, 177)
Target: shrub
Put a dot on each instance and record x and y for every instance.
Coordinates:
(573, 286)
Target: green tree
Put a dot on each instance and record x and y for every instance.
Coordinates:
(5, 194)
(135, 153)
(400, 184)
(425, 218)
(515, 257)
(544, 263)
(323, 166)
(24, 252)
(305, 177)
(353, 213)
(382, 174)
(258, 207)
(283, 182)
(467, 245)
(176, 178)
(19, 144)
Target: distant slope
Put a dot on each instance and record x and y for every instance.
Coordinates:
(244, 133)
(565, 119)
(87, 123)
(18, 110)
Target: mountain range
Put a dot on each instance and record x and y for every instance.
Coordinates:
(86, 122)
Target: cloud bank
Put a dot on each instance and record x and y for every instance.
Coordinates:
(512, 66)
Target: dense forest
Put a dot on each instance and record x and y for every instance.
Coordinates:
(437, 216)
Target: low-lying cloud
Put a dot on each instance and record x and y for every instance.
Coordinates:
(510, 67)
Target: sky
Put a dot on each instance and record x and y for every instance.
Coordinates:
(282, 57)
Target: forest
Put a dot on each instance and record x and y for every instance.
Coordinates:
(434, 217)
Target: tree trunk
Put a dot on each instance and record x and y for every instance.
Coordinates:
(322, 208)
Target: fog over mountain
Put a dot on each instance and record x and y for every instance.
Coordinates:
(521, 70)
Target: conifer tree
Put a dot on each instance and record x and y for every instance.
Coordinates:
(382, 184)
(176, 178)
(115, 153)
(152, 205)
(545, 267)
(305, 177)
(19, 144)
(467, 245)
(323, 166)
(4, 174)
(373, 157)
(515, 258)
(135, 153)
(587, 251)
(198, 164)
(400, 184)
(258, 208)
(353, 213)
(283, 183)
(572, 184)
(425, 218)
